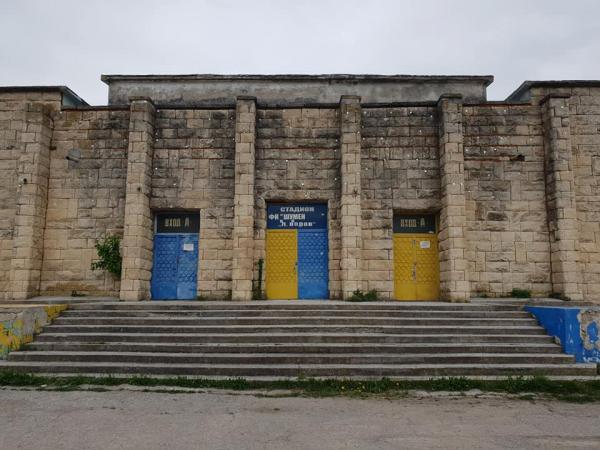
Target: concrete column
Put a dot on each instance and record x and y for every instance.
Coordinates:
(33, 170)
(351, 230)
(561, 196)
(454, 284)
(137, 234)
(243, 218)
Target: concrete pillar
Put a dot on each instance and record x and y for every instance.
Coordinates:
(351, 213)
(561, 196)
(243, 217)
(33, 170)
(454, 284)
(137, 233)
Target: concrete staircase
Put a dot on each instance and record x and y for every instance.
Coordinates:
(295, 338)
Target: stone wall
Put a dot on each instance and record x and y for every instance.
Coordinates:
(400, 172)
(13, 106)
(86, 199)
(298, 159)
(584, 119)
(11, 119)
(521, 229)
(507, 238)
(193, 170)
(584, 110)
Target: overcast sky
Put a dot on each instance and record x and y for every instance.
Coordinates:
(62, 42)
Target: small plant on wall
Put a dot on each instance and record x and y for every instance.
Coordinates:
(109, 255)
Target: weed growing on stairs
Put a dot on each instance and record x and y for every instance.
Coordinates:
(360, 296)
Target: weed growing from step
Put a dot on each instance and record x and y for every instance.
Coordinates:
(522, 387)
(360, 296)
(520, 293)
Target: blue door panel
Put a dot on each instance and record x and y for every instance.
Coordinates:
(187, 267)
(164, 269)
(175, 267)
(313, 264)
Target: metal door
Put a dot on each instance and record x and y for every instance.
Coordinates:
(427, 267)
(313, 264)
(404, 255)
(187, 267)
(282, 270)
(416, 267)
(175, 267)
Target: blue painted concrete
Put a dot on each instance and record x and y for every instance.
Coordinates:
(576, 329)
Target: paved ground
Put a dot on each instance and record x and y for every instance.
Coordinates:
(141, 420)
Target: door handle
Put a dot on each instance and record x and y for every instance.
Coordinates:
(414, 271)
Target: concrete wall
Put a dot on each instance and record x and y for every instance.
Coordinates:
(287, 90)
(575, 329)
(19, 323)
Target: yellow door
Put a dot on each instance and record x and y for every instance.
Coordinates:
(282, 259)
(416, 267)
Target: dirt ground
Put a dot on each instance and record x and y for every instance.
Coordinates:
(129, 419)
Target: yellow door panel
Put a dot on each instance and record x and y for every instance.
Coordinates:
(427, 267)
(281, 264)
(404, 255)
(416, 267)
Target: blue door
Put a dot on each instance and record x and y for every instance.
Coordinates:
(313, 264)
(175, 268)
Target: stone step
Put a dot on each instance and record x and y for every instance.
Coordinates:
(296, 370)
(262, 321)
(359, 329)
(295, 305)
(308, 348)
(290, 358)
(404, 313)
(322, 337)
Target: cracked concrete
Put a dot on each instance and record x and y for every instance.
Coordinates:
(216, 420)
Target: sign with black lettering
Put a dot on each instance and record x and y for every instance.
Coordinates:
(298, 216)
(177, 223)
(409, 223)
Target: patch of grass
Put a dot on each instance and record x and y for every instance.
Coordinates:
(520, 293)
(560, 296)
(571, 391)
(360, 296)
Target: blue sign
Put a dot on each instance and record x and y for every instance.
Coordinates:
(296, 216)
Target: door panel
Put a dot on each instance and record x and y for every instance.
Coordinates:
(427, 267)
(164, 268)
(187, 267)
(281, 264)
(404, 258)
(175, 267)
(313, 264)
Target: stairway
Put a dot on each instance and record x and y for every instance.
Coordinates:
(295, 338)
